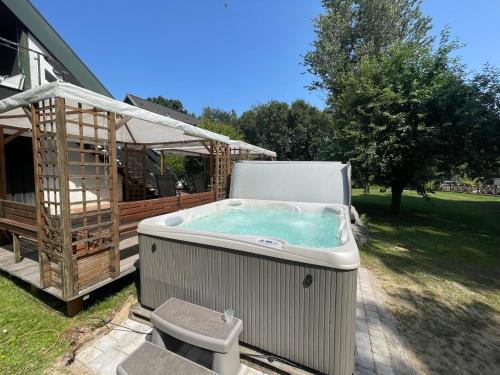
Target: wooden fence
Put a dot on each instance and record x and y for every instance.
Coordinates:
(469, 188)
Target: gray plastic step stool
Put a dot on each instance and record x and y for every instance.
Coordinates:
(207, 329)
(149, 359)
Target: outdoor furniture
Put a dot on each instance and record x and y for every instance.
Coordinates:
(166, 186)
(199, 183)
(149, 359)
(203, 328)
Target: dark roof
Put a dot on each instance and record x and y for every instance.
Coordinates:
(161, 109)
(55, 45)
(6, 92)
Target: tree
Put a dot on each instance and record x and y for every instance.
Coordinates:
(390, 93)
(295, 132)
(266, 125)
(216, 114)
(349, 30)
(174, 104)
(383, 115)
(221, 128)
(483, 140)
(308, 128)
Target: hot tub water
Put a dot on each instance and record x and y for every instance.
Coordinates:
(307, 229)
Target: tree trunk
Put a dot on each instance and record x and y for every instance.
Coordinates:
(397, 191)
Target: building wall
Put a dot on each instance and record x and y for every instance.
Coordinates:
(20, 175)
(36, 77)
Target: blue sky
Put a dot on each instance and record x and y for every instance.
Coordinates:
(232, 57)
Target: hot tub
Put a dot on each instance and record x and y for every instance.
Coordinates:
(287, 269)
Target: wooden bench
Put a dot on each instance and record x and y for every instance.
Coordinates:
(20, 220)
(131, 213)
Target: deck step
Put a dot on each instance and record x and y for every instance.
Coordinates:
(140, 314)
(151, 359)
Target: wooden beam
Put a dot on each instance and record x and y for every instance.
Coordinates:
(74, 306)
(3, 174)
(194, 141)
(217, 170)
(14, 136)
(43, 261)
(27, 112)
(126, 165)
(123, 121)
(2, 117)
(129, 132)
(162, 161)
(17, 247)
(115, 210)
(69, 289)
(212, 175)
(207, 146)
(4, 126)
(144, 172)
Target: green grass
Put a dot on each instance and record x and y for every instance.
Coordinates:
(34, 332)
(439, 262)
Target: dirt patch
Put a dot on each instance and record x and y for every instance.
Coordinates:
(79, 337)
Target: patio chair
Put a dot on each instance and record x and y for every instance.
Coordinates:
(166, 186)
(199, 183)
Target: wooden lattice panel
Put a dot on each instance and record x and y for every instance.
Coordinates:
(76, 184)
(135, 172)
(47, 181)
(220, 169)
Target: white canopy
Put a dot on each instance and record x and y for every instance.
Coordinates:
(197, 149)
(143, 126)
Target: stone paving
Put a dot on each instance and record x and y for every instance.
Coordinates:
(374, 354)
(373, 350)
(102, 356)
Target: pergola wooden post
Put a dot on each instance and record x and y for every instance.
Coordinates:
(76, 186)
(3, 176)
(135, 172)
(220, 163)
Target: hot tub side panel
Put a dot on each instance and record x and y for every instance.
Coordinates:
(311, 325)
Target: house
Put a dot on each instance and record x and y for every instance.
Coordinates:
(72, 133)
(153, 158)
(161, 109)
(32, 53)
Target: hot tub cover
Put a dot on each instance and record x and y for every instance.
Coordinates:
(294, 181)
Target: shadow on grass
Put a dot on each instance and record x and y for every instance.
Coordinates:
(95, 298)
(444, 262)
(449, 339)
(444, 238)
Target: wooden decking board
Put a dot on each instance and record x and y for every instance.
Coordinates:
(28, 269)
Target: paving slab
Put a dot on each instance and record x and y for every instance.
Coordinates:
(373, 354)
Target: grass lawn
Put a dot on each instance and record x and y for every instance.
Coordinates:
(439, 262)
(34, 333)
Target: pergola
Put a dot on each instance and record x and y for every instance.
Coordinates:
(77, 217)
(238, 150)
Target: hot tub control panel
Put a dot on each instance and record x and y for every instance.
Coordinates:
(270, 243)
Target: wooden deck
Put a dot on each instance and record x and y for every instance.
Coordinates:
(28, 269)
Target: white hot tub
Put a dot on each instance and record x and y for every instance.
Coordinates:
(287, 269)
(340, 254)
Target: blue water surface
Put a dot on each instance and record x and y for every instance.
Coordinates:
(297, 228)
